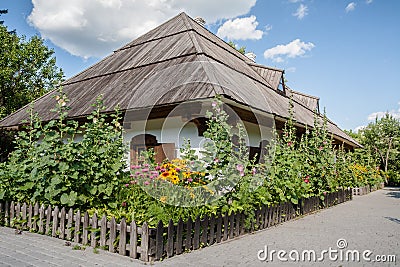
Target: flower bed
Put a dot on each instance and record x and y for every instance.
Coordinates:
(147, 243)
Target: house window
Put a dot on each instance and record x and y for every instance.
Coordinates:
(143, 142)
(201, 124)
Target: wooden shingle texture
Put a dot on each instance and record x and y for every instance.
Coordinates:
(178, 61)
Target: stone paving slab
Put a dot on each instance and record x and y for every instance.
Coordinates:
(370, 222)
(30, 249)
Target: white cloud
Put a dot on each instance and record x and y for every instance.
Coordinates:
(293, 49)
(240, 29)
(291, 69)
(369, 1)
(301, 12)
(295, 1)
(93, 28)
(350, 7)
(380, 114)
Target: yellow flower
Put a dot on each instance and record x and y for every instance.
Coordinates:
(163, 199)
(186, 174)
(208, 189)
(174, 179)
(165, 175)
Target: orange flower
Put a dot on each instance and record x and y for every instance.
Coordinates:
(163, 199)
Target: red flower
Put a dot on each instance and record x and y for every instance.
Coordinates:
(306, 181)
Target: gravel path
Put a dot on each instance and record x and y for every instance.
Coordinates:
(368, 223)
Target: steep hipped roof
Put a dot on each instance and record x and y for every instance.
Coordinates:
(310, 101)
(272, 75)
(175, 62)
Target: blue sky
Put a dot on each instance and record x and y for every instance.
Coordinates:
(345, 52)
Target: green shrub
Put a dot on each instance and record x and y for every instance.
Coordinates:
(50, 166)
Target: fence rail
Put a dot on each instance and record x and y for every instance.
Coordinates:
(359, 191)
(148, 244)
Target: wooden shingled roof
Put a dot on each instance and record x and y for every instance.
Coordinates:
(310, 101)
(178, 61)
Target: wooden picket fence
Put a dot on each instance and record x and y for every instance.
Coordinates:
(149, 244)
(359, 191)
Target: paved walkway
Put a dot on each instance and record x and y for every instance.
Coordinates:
(370, 222)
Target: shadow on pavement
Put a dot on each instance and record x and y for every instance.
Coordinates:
(393, 219)
(392, 191)
(394, 194)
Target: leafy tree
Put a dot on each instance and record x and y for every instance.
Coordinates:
(241, 50)
(3, 11)
(382, 137)
(355, 135)
(27, 70)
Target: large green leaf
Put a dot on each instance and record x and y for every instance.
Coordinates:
(69, 199)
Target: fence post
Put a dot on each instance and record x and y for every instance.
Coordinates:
(7, 214)
(265, 213)
(204, 231)
(69, 223)
(122, 237)
(18, 211)
(270, 213)
(189, 225)
(133, 240)
(196, 237)
(159, 240)
(12, 212)
(242, 224)
(23, 211)
(254, 224)
(226, 223)
(41, 218)
(103, 231)
(170, 239)
(93, 241)
(219, 229)
(55, 222)
(85, 232)
(77, 226)
(179, 237)
(113, 233)
(62, 223)
(35, 217)
(30, 215)
(212, 229)
(237, 225)
(48, 219)
(144, 256)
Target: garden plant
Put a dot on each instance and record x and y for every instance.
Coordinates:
(51, 166)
